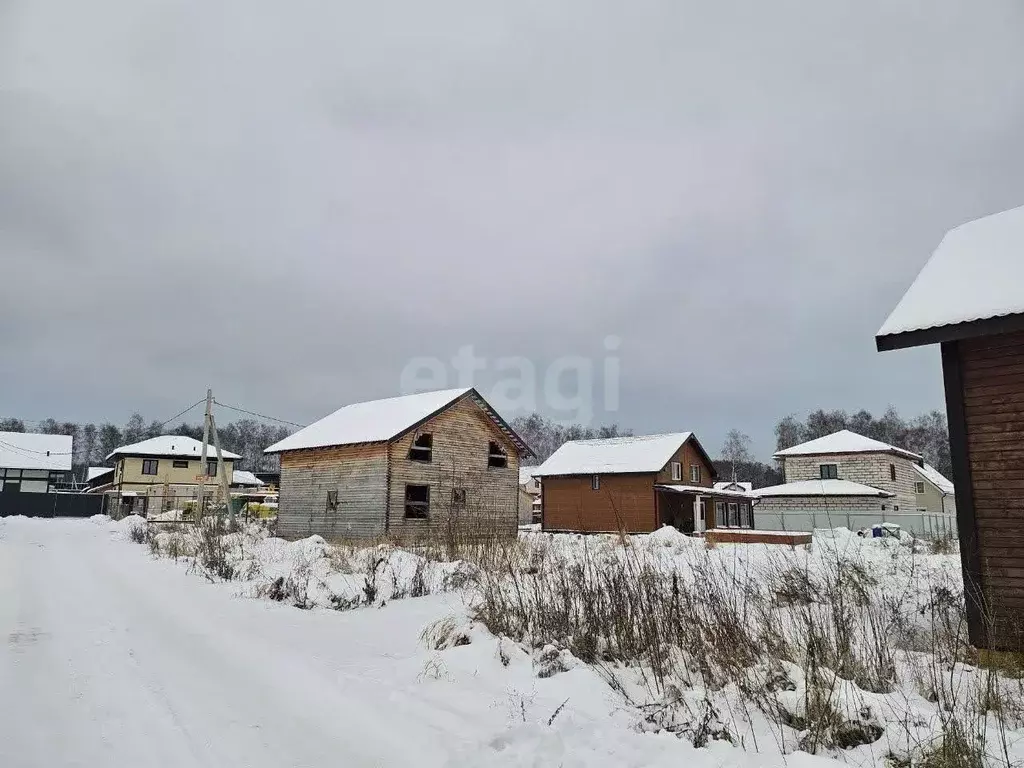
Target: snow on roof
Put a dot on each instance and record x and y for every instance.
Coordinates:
(643, 453)
(93, 472)
(976, 273)
(526, 474)
(375, 421)
(844, 441)
(701, 489)
(170, 445)
(936, 478)
(744, 485)
(821, 488)
(31, 450)
(242, 477)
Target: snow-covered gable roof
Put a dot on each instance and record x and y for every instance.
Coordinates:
(526, 475)
(936, 478)
(171, 446)
(93, 472)
(976, 273)
(378, 421)
(242, 477)
(614, 455)
(844, 441)
(821, 488)
(748, 487)
(31, 450)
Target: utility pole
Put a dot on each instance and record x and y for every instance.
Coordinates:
(202, 465)
(222, 469)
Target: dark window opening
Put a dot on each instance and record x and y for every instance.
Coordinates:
(417, 501)
(720, 513)
(149, 466)
(892, 472)
(595, 483)
(180, 464)
(496, 455)
(919, 487)
(829, 471)
(422, 448)
(332, 501)
(458, 498)
(211, 468)
(733, 515)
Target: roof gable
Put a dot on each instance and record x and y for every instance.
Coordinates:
(170, 445)
(936, 478)
(379, 421)
(844, 441)
(974, 276)
(33, 450)
(617, 455)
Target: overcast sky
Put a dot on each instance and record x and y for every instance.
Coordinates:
(288, 201)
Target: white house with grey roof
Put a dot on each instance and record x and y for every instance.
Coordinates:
(32, 462)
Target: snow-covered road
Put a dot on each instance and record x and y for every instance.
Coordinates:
(113, 659)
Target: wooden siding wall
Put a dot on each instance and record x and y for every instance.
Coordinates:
(992, 373)
(687, 455)
(461, 436)
(359, 475)
(623, 502)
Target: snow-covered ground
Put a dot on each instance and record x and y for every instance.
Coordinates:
(115, 657)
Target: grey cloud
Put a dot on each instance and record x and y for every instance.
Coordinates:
(290, 201)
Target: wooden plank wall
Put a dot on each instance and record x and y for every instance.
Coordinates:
(623, 502)
(357, 472)
(992, 371)
(687, 455)
(461, 436)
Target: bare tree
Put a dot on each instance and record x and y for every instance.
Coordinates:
(736, 449)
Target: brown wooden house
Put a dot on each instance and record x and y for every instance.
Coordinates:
(402, 467)
(969, 299)
(636, 485)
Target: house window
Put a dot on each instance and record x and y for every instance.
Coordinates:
(332, 501)
(180, 464)
(892, 472)
(677, 471)
(919, 487)
(595, 483)
(422, 448)
(458, 498)
(829, 471)
(720, 513)
(149, 466)
(211, 468)
(417, 501)
(695, 473)
(733, 514)
(745, 516)
(703, 509)
(496, 456)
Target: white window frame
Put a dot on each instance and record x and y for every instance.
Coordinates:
(695, 473)
(733, 515)
(745, 521)
(919, 486)
(677, 472)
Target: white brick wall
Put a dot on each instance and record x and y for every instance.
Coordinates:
(865, 468)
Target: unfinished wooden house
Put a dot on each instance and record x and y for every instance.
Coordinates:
(969, 298)
(637, 484)
(401, 467)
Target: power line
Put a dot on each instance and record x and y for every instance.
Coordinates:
(26, 451)
(182, 413)
(258, 415)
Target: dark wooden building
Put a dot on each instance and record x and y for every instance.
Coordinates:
(969, 299)
(404, 467)
(636, 485)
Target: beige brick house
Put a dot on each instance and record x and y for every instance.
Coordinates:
(847, 475)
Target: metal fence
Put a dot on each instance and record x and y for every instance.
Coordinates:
(29, 504)
(922, 524)
(182, 505)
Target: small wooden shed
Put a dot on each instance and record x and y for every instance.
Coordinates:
(403, 466)
(969, 298)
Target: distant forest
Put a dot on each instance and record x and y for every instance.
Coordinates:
(926, 434)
